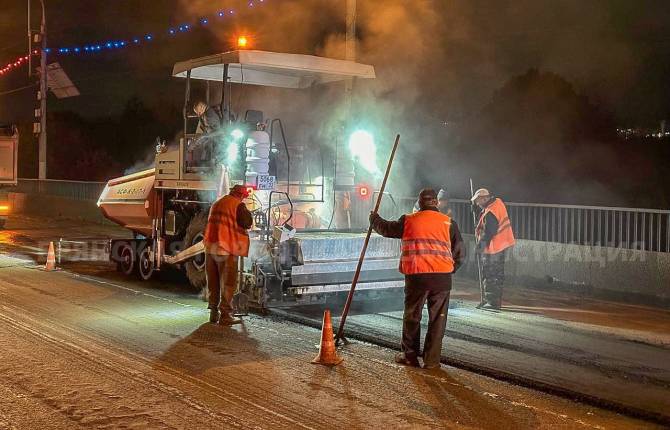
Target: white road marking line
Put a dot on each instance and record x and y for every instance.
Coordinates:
(121, 287)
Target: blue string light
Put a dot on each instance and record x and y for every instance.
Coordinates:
(140, 40)
(119, 44)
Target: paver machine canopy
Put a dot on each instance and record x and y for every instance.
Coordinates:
(246, 67)
(271, 69)
(259, 68)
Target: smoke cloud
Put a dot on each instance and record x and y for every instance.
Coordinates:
(401, 39)
(438, 64)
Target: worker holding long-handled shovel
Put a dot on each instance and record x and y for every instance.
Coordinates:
(432, 250)
(494, 236)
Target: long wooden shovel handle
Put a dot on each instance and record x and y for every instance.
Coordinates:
(357, 274)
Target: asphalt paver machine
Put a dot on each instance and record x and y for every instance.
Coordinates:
(295, 256)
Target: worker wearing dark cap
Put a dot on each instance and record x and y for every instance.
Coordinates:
(432, 250)
(442, 202)
(226, 239)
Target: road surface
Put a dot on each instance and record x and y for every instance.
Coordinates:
(86, 348)
(618, 368)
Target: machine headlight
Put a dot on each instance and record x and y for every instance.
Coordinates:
(362, 147)
(233, 153)
(237, 134)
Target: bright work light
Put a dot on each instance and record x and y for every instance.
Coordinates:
(362, 147)
(237, 134)
(233, 153)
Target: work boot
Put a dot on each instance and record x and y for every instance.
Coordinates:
(401, 358)
(431, 366)
(213, 316)
(227, 319)
(492, 306)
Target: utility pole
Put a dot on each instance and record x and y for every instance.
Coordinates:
(351, 31)
(42, 94)
(350, 45)
(43, 97)
(30, 44)
(344, 172)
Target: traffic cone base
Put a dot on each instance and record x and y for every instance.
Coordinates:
(327, 354)
(51, 259)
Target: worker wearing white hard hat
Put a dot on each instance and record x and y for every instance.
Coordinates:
(481, 194)
(494, 236)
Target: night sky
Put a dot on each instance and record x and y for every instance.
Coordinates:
(615, 52)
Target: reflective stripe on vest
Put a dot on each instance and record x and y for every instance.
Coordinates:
(426, 244)
(222, 235)
(504, 238)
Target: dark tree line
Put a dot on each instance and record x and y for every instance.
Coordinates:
(539, 140)
(81, 148)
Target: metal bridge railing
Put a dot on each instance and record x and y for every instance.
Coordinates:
(627, 228)
(76, 190)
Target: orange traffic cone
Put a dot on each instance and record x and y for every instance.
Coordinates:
(327, 354)
(51, 258)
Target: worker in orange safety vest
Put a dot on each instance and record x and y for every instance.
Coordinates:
(226, 239)
(494, 237)
(432, 250)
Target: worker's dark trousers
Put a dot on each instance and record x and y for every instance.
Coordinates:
(416, 296)
(493, 272)
(221, 275)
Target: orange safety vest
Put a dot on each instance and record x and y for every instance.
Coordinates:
(426, 244)
(222, 235)
(504, 238)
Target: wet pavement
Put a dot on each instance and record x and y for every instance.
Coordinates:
(123, 353)
(622, 369)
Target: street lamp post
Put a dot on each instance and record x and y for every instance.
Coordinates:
(344, 171)
(30, 44)
(43, 97)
